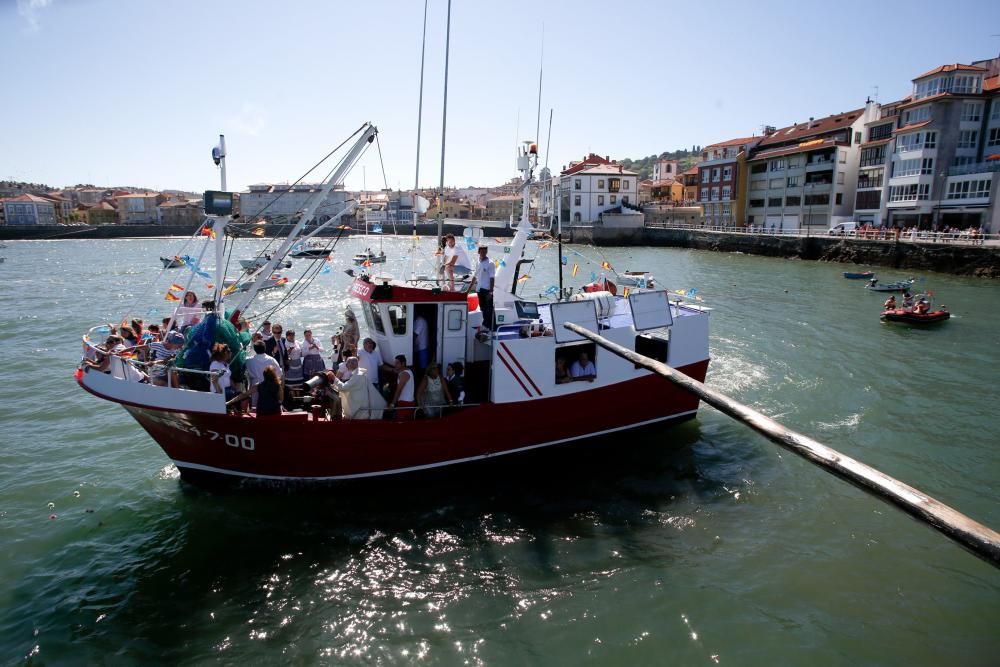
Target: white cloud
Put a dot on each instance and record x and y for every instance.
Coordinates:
(29, 9)
(250, 120)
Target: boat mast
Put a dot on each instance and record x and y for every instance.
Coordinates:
(420, 104)
(444, 128)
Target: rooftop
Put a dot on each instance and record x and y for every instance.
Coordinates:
(732, 142)
(957, 67)
(813, 128)
(608, 170)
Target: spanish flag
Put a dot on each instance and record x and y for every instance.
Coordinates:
(175, 286)
(543, 246)
(625, 293)
(170, 296)
(576, 269)
(523, 278)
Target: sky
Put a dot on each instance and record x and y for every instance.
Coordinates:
(116, 92)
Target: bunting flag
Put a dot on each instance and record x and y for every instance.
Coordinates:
(209, 286)
(343, 226)
(170, 296)
(606, 266)
(176, 287)
(377, 229)
(565, 260)
(544, 245)
(181, 260)
(282, 281)
(552, 289)
(576, 269)
(229, 290)
(524, 278)
(326, 269)
(470, 243)
(680, 291)
(692, 292)
(593, 277)
(503, 262)
(367, 262)
(258, 232)
(625, 293)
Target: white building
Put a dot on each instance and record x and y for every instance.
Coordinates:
(587, 194)
(281, 202)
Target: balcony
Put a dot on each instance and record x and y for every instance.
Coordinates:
(820, 165)
(977, 168)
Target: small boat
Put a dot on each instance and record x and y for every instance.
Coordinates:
(368, 258)
(898, 286)
(641, 279)
(174, 262)
(259, 262)
(908, 316)
(311, 251)
(867, 275)
(271, 283)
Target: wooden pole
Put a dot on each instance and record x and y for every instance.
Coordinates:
(974, 536)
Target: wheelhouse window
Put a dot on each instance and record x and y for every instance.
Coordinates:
(576, 363)
(653, 347)
(374, 318)
(397, 319)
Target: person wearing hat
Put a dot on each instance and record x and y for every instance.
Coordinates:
(485, 278)
(161, 353)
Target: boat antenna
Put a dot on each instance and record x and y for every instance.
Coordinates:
(444, 127)
(541, 68)
(420, 104)
(219, 156)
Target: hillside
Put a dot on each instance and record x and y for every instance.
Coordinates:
(644, 166)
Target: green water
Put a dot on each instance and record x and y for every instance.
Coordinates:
(700, 544)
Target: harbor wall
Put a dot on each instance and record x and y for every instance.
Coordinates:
(971, 260)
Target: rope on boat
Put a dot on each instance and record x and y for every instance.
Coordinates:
(974, 536)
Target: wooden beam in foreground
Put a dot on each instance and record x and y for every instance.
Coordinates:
(974, 536)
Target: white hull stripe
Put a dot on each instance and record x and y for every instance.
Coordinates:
(397, 471)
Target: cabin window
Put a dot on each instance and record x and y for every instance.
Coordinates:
(374, 318)
(653, 347)
(576, 363)
(397, 319)
(454, 320)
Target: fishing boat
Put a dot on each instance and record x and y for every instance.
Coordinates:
(909, 316)
(261, 261)
(367, 258)
(866, 275)
(517, 400)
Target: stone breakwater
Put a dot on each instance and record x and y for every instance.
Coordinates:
(967, 260)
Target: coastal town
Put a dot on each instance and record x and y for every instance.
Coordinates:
(924, 162)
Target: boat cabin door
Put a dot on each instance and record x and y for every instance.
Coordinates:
(453, 326)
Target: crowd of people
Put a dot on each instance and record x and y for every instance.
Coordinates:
(278, 369)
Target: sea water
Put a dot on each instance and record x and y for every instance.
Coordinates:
(697, 544)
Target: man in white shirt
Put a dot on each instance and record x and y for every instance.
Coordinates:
(421, 342)
(583, 369)
(358, 398)
(257, 363)
(485, 277)
(369, 360)
(456, 260)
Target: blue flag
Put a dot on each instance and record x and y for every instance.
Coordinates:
(565, 260)
(377, 229)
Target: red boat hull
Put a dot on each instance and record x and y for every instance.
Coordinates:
(294, 447)
(909, 317)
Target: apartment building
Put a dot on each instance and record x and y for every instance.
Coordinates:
(139, 208)
(29, 210)
(719, 194)
(873, 164)
(281, 202)
(586, 194)
(805, 175)
(689, 179)
(504, 207)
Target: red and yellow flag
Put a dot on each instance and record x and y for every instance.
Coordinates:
(175, 286)
(523, 278)
(625, 293)
(170, 296)
(606, 266)
(576, 269)
(258, 232)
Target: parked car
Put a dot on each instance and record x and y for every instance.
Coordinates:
(843, 229)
